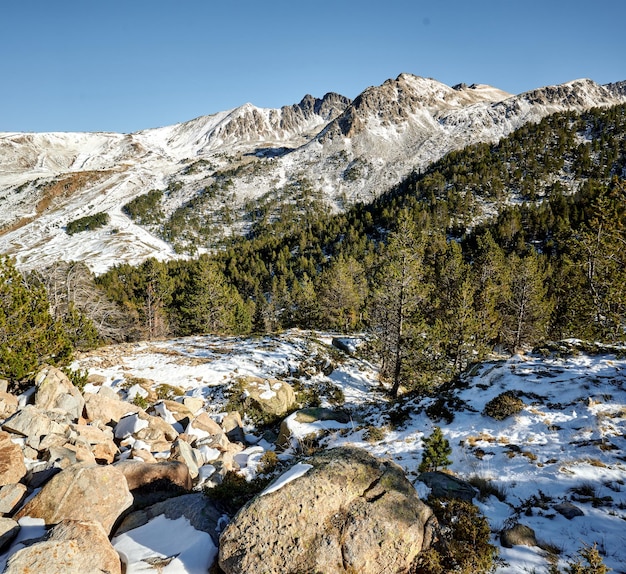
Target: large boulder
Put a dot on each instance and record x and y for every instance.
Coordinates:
(106, 409)
(344, 511)
(54, 391)
(71, 546)
(270, 396)
(81, 492)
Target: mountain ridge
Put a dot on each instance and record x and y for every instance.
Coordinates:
(346, 150)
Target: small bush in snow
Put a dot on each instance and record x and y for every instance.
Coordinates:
(503, 406)
(374, 434)
(463, 543)
(487, 488)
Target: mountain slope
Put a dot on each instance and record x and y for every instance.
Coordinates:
(214, 169)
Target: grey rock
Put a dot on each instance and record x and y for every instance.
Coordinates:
(445, 485)
(568, 510)
(518, 535)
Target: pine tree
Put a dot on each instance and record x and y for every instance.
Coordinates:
(527, 304)
(436, 452)
(398, 305)
(29, 335)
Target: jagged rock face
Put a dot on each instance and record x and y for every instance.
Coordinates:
(618, 89)
(350, 512)
(396, 101)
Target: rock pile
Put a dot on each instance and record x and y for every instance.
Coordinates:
(78, 464)
(81, 472)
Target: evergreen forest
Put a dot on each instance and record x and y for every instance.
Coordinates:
(495, 248)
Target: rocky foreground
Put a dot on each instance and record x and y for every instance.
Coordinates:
(136, 474)
(80, 470)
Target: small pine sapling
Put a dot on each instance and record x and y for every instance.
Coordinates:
(436, 452)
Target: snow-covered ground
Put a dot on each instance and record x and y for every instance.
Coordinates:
(568, 443)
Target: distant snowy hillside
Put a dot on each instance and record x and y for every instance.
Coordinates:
(216, 165)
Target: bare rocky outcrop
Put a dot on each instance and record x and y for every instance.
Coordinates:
(350, 512)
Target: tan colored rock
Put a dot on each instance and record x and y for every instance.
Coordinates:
(142, 455)
(105, 452)
(56, 392)
(232, 425)
(71, 547)
(96, 379)
(205, 424)
(181, 412)
(183, 452)
(8, 531)
(81, 492)
(218, 441)
(8, 405)
(11, 495)
(194, 404)
(157, 424)
(348, 512)
(34, 424)
(12, 467)
(90, 433)
(100, 407)
(139, 474)
(52, 440)
(70, 454)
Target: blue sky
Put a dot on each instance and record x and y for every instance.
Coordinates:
(126, 65)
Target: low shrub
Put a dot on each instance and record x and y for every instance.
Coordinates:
(374, 434)
(462, 545)
(487, 488)
(235, 491)
(503, 406)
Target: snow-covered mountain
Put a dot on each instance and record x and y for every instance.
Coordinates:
(345, 150)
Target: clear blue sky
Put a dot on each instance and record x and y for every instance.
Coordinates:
(126, 65)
